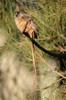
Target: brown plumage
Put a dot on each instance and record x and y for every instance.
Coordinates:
(25, 24)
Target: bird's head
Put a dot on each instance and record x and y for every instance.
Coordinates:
(17, 13)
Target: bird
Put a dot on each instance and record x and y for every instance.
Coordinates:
(25, 24)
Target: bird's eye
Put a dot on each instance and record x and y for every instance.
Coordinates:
(17, 14)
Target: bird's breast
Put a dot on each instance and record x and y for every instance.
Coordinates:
(20, 24)
(26, 25)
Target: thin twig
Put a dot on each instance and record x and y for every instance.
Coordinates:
(58, 73)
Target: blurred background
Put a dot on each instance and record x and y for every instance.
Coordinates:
(16, 68)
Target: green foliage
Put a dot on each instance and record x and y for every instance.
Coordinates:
(50, 18)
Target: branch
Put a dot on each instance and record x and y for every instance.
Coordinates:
(54, 71)
(59, 55)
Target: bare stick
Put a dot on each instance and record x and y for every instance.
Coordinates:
(34, 65)
(34, 62)
(58, 73)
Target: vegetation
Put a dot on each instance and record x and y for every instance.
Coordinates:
(50, 19)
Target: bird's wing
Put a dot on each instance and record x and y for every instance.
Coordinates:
(26, 17)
